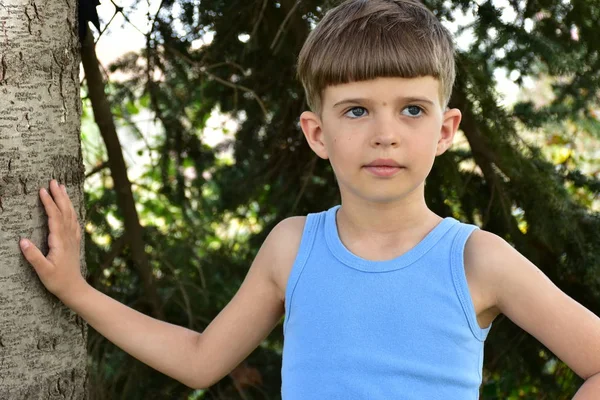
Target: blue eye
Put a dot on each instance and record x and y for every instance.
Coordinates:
(413, 111)
(356, 112)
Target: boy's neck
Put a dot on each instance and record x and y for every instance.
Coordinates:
(405, 217)
(377, 231)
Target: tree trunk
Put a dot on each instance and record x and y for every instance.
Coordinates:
(42, 343)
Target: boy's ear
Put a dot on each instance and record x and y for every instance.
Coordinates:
(450, 122)
(313, 132)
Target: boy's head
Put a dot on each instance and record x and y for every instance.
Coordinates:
(378, 76)
(366, 39)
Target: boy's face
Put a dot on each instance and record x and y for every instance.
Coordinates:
(367, 125)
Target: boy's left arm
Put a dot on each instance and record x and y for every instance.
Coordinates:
(530, 299)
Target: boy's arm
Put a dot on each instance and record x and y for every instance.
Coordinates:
(197, 360)
(528, 298)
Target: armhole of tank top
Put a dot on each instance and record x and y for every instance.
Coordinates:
(306, 244)
(457, 263)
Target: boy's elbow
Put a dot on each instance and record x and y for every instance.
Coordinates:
(197, 382)
(194, 381)
(200, 378)
(199, 386)
(200, 383)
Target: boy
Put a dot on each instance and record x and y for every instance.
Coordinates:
(383, 299)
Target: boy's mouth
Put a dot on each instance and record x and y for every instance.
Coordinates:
(384, 162)
(383, 167)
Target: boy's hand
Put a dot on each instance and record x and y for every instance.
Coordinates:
(60, 270)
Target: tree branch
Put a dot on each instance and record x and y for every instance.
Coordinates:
(204, 70)
(284, 23)
(97, 169)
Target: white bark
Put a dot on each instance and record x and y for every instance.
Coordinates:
(42, 343)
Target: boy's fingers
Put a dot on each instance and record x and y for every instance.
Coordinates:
(34, 256)
(54, 241)
(60, 198)
(54, 214)
(49, 205)
(71, 206)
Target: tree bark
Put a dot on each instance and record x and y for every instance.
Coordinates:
(42, 342)
(118, 170)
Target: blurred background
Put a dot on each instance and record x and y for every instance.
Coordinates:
(205, 107)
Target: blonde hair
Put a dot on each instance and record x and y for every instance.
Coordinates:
(367, 39)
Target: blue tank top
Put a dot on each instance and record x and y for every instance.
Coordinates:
(404, 328)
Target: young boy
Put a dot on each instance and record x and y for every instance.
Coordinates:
(383, 299)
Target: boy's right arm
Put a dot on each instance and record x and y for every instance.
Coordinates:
(197, 360)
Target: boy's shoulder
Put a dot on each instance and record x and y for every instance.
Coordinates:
(524, 294)
(288, 233)
(493, 262)
(491, 266)
(282, 245)
(484, 255)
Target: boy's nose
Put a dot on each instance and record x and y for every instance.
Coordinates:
(386, 130)
(385, 141)
(385, 136)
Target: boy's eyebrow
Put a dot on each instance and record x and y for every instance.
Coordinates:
(408, 99)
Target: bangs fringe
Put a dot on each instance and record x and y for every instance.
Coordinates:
(371, 46)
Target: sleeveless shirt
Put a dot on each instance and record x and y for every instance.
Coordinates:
(403, 328)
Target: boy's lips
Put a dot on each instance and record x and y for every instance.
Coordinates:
(384, 167)
(384, 162)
